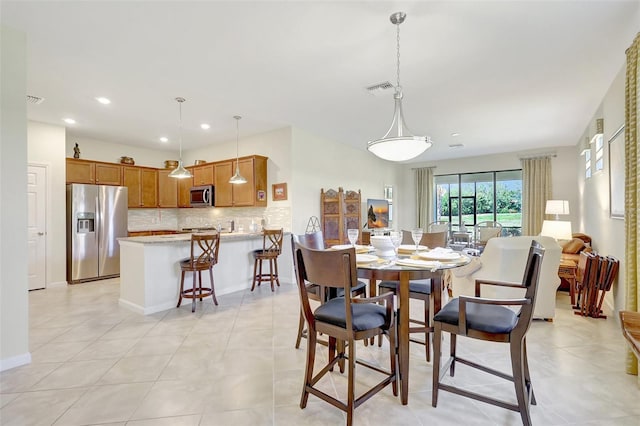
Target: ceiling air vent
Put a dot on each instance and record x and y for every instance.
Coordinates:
(379, 88)
(34, 100)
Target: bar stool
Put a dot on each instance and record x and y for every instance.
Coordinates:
(208, 246)
(271, 249)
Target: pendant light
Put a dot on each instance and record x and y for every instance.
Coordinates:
(399, 144)
(237, 178)
(180, 172)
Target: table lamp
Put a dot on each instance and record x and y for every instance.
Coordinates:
(558, 229)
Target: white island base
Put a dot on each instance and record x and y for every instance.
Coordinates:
(150, 270)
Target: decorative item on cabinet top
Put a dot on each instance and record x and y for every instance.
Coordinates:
(199, 162)
(170, 164)
(127, 160)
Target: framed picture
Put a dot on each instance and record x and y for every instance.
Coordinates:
(616, 174)
(279, 191)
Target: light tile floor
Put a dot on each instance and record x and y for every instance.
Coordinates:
(97, 363)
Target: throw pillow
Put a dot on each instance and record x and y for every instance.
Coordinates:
(573, 246)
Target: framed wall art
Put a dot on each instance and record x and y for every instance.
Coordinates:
(616, 174)
(279, 191)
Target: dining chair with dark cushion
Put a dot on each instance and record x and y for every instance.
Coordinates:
(345, 320)
(491, 320)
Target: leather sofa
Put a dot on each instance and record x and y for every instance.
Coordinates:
(504, 259)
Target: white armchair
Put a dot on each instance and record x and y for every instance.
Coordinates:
(504, 259)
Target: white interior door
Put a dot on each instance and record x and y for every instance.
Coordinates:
(37, 225)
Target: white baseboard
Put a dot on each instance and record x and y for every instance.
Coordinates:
(16, 361)
(57, 284)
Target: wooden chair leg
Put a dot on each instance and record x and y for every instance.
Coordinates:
(193, 293)
(351, 381)
(181, 289)
(517, 365)
(275, 263)
(527, 376)
(213, 290)
(271, 276)
(437, 343)
(452, 353)
(200, 284)
(393, 355)
(308, 373)
(259, 276)
(427, 331)
(255, 269)
(300, 330)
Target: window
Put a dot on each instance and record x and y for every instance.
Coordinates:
(599, 152)
(587, 164)
(471, 198)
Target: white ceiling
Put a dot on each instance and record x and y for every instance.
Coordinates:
(506, 75)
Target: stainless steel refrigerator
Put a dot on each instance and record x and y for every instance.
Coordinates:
(96, 218)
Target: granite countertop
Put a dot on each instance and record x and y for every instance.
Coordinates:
(179, 238)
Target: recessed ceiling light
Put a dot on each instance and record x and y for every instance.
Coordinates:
(103, 100)
(205, 126)
(69, 120)
(164, 139)
(456, 146)
(455, 134)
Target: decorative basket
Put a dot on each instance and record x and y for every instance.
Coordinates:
(127, 160)
(170, 164)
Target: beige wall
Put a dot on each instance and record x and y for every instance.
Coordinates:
(46, 147)
(607, 233)
(97, 150)
(14, 308)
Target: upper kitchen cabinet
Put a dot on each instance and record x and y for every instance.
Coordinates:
(142, 183)
(250, 194)
(184, 190)
(203, 175)
(93, 172)
(167, 189)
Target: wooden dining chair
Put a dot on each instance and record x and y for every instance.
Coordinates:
(204, 255)
(586, 279)
(345, 320)
(315, 240)
(483, 231)
(419, 290)
(491, 320)
(271, 249)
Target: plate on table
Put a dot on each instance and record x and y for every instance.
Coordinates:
(418, 263)
(365, 259)
(442, 256)
(410, 248)
(359, 248)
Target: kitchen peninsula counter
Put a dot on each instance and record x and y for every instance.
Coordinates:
(150, 270)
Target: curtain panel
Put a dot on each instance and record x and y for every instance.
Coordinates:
(632, 186)
(536, 190)
(424, 197)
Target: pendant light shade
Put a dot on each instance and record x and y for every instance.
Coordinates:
(399, 144)
(237, 178)
(180, 172)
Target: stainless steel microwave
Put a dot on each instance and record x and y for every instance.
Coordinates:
(202, 196)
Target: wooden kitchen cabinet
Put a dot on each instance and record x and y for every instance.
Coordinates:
(142, 183)
(93, 172)
(184, 190)
(254, 169)
(203, 175)
(167, 189)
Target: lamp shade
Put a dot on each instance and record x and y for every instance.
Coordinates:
(557, 207)
(558, 229)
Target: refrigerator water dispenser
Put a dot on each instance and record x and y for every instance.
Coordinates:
(85, 223)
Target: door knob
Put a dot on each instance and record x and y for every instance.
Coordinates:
(40, 233)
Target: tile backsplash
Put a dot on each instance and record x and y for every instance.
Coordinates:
(168, 219)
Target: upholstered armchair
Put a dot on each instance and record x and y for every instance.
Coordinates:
(504, 259)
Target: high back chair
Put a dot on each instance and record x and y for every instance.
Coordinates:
(492, 320)
(315, 240)
(483, 231)
(271, 249)
(440, 226)
(419, 290)
(204, 255)
(345, 320)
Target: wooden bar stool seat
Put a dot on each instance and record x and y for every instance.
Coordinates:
(271, 249)
(208, 246)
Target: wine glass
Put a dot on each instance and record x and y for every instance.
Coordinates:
(396, 239)
(352, 234)
(416, 234)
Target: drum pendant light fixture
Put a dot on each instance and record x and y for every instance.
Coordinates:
(180, 172)
(237, 178)
(399, 144)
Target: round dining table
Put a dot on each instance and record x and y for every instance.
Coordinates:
(403, 274)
